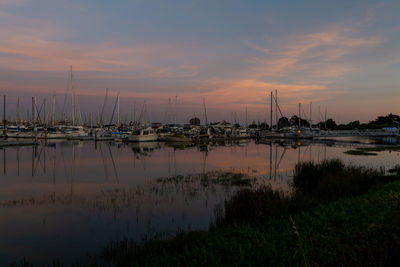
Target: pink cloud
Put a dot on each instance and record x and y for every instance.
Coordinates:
(34, 45)
(299, 52)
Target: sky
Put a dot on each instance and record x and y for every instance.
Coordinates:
(175, 55)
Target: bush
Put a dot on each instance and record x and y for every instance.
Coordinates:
(332, 179)
(308, 175)
(255, 205)
(313, 183)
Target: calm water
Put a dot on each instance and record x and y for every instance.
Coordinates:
(68, 199)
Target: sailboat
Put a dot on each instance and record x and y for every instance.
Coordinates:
(145, 134)
(53, 133)
(75, 132)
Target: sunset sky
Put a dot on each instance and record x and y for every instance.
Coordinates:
(341, 54)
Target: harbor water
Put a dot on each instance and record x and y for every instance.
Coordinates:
(66, 200)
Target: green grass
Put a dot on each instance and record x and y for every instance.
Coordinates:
(337, 215)
(312, 184)
(361, 230)
(332, 179)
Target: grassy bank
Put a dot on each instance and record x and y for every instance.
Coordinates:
(337, 215)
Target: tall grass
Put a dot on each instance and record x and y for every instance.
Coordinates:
(356, 231)
(250, 205)
(313, 183)
(332, 179)
(395, 170)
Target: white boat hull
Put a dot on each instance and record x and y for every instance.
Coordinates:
(52, 136)
(142, 138)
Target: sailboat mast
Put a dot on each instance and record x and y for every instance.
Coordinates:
(205, 110)
(145, 114)
(18, 115)
(131, 113)
(78, 110)
(299, 115)
(134, 112)
(246, 116)
(176, 100)
(37, 115)
(53, 110)
(276, 108)
(44, 113)
(319, 116)
(118, 119)
(33, 112)
(72, 99)
(310, 115)
(102, 110)
(4, 114)
(271, 109)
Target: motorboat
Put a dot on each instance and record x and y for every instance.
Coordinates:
(143, 135)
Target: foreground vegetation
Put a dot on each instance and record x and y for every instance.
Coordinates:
(337, 215)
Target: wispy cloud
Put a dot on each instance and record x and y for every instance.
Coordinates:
(322, 53)
(255, 93)
(34, 45)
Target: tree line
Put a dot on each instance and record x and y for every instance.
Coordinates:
(390, 120)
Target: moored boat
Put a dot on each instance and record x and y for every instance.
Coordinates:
(143, 135)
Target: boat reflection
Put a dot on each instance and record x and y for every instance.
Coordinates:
(144, 148)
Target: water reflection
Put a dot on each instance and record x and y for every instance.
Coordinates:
(88, 194)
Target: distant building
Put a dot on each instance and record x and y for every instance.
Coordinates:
(195, 121)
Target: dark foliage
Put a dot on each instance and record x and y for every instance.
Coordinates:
(294, 120)
(283, 122)
(331, 179)
(313, 183)
(354, 231)
(254, 205)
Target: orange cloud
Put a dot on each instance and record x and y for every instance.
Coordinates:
(311, 53)
(233, 94)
